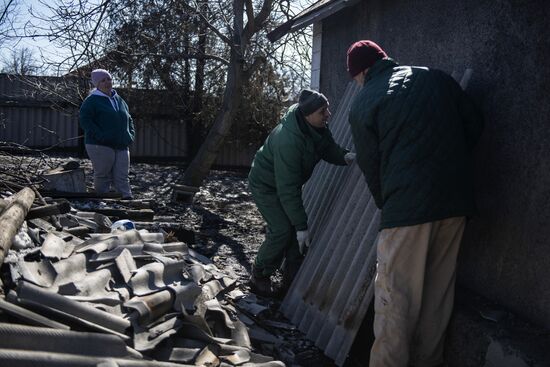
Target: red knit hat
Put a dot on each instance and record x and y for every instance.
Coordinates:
(362, 55)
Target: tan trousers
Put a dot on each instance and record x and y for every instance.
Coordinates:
(414, 292)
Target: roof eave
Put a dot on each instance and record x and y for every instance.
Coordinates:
(314, 13)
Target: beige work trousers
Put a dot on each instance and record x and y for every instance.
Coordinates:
(414, 292)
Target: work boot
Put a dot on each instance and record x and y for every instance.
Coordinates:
(290, 270)
(260, 283)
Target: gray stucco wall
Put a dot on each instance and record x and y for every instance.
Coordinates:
(506, 250)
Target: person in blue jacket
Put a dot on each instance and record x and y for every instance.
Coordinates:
(108, 132)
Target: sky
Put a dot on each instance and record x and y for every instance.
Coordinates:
(42, 48)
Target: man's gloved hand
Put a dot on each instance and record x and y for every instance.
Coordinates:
(349, 158)
(303, 240)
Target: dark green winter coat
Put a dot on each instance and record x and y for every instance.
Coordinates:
(103, 125)
(414, 130)
(287, 159)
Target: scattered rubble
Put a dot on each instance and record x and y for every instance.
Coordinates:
(168, 289)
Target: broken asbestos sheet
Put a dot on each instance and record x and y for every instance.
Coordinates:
(125, 297)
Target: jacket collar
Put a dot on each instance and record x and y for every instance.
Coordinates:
(379, 67)
(97, 92)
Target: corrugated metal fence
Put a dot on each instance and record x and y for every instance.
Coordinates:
(29, 118)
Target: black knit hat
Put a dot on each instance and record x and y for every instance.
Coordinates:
(310, 101)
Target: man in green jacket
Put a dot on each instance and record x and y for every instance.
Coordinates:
(280, 168)
(414, 130)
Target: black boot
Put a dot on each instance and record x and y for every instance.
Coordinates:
(260, 284)
(290, 270)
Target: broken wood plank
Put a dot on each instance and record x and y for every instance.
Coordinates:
(139, 214)
(135, 203)
(49, 209)
(83, 195)
(53, 219)
(184, 193)
(12, 218)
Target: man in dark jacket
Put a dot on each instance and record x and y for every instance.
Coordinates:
(414, 130)
(280, 168)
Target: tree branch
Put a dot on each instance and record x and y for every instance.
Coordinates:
(92, 35)
(222, 36)
(5, 12)
(257, 22)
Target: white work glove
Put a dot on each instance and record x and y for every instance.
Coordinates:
(303, 240)
(349, 158)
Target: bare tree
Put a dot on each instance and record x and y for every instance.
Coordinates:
(21, 61)
(8, 16)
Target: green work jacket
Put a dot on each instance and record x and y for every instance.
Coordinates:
(414, 130)
(287, 159)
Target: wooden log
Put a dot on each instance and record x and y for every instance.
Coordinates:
(50, 209)
(12, 218)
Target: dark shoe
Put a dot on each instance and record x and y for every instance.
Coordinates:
(290, 270)
(260, 284)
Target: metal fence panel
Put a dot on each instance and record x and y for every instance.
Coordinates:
(38, 126)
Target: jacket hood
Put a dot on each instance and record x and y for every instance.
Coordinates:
(97, 92)
(297, 124)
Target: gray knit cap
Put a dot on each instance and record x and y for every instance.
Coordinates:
(310, 101)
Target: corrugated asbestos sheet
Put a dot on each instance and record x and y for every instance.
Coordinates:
(330, 296)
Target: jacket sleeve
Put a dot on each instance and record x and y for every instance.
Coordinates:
(88, 124)
(365, 138)
(287, 164)
(332, 152)
(131, 127)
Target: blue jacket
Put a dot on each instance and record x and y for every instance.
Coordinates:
(106, 121)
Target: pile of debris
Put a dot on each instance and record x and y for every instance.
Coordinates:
(79, 290)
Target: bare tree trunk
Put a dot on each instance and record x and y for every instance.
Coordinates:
(200, 165)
